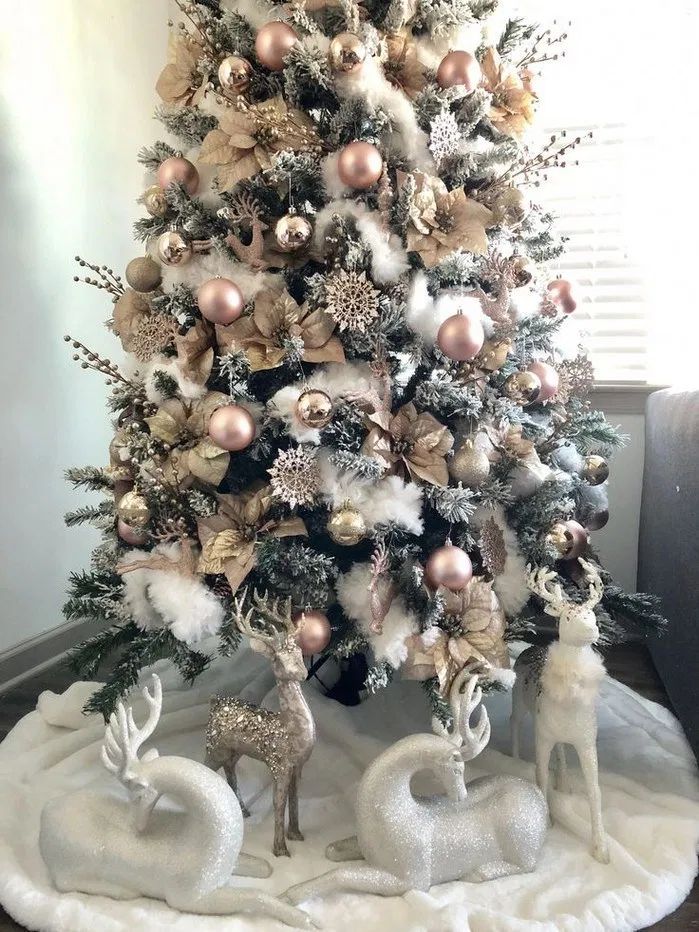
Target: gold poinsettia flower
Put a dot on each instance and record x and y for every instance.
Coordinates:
(180, 83)
(277, 321)
(512, 107)
(443, 221)
(229, 538)
(402, 66)
(142, 331)
(415, 443)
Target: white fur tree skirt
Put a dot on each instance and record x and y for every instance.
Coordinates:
(649, 787)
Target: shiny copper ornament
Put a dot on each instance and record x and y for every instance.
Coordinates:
(232, 428)
(174, 249)
(522, 387)
(131, 535)
(154, 201)
(347, 53)
(469, 464)
(569, 539)
(314, 631)
(346, 525)
(461, 69)
(178, 170)
(234, 74)
(314, 408)
(220, 301)
(548, 377)
(595, 470)
(448, 566)
(461, 336)
(292, 233)
(359, 165)
(133, 509)
(143, 274)
(273, 43)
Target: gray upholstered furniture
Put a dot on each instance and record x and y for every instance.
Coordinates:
(668, 553)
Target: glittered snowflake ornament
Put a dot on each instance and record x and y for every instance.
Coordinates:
(351, 300)
(294, 476)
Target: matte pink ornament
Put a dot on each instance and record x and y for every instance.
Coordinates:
(273, 43)
(220, 301)
(178, 170)
(313, 633)
(548, 377)
(131, 535)
(360, 165)
(578, 538)
(560, 292)
(459, 68)
(461, 337)
(448, 566)
(232, 428)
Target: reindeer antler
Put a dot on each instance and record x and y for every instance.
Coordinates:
(465, 695)
(123, 738)
(540, 581)
(596, 586)
(245, 210)
(275, 622)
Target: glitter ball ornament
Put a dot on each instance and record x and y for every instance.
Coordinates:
(232, 428)
(154, 201)
(469, 465)
(548, 377)
(133, 509)
(292, 233)
(347, 53)
(461, 337)
(595, 470)
(560, 292)
(178, 170)
(314, 408)
(510, 207)
(522, 387)
(360, 165)
(448, 566)
(346, 526)
(220, 301)
(273, 43)
(131, 535)
(351, 300)
(294, 476)
(143, 274)
(174, 249)
(459, 68)
(569, 538)
(494, 355)
(597, 520)
(234, 74)
(313, 631)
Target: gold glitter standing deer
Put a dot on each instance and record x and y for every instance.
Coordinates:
(284, 739)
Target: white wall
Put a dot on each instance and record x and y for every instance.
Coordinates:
(76, 101)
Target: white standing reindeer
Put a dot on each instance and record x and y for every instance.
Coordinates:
(491, 827)
(559, 685)
(97, 843)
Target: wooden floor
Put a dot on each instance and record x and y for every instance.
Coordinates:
(629, 663)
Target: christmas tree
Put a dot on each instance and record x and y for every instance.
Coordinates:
(349, 381)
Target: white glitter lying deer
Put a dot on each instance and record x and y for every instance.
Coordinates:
(106, 845)
(559, 684)
(491, 827)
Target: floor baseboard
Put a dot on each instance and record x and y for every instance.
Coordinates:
(36, 653)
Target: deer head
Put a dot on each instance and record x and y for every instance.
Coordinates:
(271, 629)
(577, 624)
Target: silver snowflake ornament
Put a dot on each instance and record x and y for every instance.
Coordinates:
(351, 300)
(294, 476)
(445, 136)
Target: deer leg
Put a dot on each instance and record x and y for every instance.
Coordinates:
(281, 795)
(229, 769)
(494, 869)
(515, 724)
(294, 832)
(361, 879)
(588, 763)
(562, 783)
(544, 746)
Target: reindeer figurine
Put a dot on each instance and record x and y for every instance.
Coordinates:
(492, 827)
(283, 740)
(97, 843)
(559, 684)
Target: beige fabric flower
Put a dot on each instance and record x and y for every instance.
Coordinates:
(402, 66)
(180, 83)
(512, 108)
(411, 442)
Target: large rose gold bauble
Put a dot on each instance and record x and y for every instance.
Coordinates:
(522, 387)
(459, 68)
(154, 201)
(360, 165)
(560, 292)
(347, 53)
(131, 535)
(314, 409)
(273, 43)
(569, 538)
(469, 464)
(595, 469)
(292, 233)
(448, 566)
(232, 428)
(346, 525)
(313, 633)
(548, 377)
(133, 509)
(220, 301)
(234, 74)
(174, 249)
(143, 274)
(177, 170)
(461, 337)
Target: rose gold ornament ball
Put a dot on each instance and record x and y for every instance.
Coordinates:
(313, 633)
(461, 337)
(232, 428)
(570, 538)
(561, 293)
(131, 535)
(347, 53)
(359, 165)
(234, 74)
(548, 377)
(448, 566)
(273, 43)
(459, 68)
(178, 170)
(220, 301)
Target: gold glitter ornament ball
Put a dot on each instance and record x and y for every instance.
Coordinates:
(346, 526)
(234, 74)
(143, 274)
(292, 233)
(522, 387)
(510, 207)
(595, 470)
(174, 249)
(469, 465)
(314, 631)
(154, 201)
(347, 53)
(314, 409)
(133, 510)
